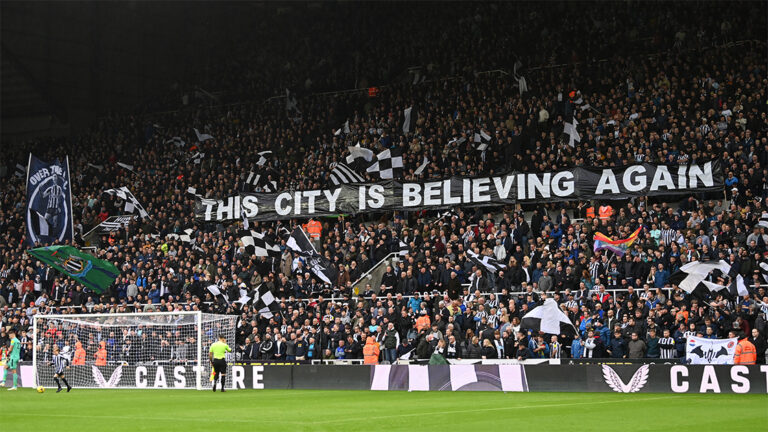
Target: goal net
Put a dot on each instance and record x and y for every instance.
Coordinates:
(132, 350)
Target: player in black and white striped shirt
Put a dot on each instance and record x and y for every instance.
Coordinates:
(667, 346)
(60, 362)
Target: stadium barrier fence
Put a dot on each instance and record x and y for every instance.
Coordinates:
(152, 307)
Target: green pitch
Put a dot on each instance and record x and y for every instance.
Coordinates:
(301, 410)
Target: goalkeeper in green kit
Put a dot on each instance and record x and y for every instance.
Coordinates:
(14, 355)
(217, 355)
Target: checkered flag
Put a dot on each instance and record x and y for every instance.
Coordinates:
(480, 141)
(343, 174)
(266, 303)
(256, 244)
(388, 165)
(486, 262)
(131, 203)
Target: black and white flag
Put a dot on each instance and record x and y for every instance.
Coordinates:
(21, 171)
(216, 291)
(403, 249)
(344, 128)
(98, 168)
(388, 165)
(316, 263)
(548, 318)
(763, 222)
(299, 242)
(193, 191)
(186, 237)
(131, 203)
(111, 224)
(691, 277)
(246, 297)
(738, 288)
(262, 181)
(481, 141)
(343, 174)
(488, 263)
(263, 157)
(265, 302)
(763, 266)
(256, 244)
(196, 158)
(202, 137)
(176, 141)
(359, 158)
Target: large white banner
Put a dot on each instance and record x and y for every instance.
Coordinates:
(710, 351)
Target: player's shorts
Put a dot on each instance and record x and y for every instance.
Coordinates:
(13, 363)
(220, 366)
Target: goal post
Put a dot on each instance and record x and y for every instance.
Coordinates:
(130, 350)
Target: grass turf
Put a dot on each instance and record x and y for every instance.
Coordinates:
(300, 410)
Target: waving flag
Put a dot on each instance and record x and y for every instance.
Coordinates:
(619, 247)
(548, 318)
(316, 263)
(90, 271)
(343, 174)
(692, 276)
(489, 263)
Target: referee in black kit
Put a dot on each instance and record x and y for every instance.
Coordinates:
(217, 355)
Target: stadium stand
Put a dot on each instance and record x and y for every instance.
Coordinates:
(644, 87)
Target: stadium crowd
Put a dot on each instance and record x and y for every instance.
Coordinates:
(692, 97)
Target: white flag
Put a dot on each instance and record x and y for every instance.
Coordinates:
(573, 134)
(407, 122)
(202, 137)
(126, 166)
(421, 167)
(356, 152)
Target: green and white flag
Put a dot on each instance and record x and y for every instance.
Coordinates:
(90, 271)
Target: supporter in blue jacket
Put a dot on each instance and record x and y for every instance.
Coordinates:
(577, 349)
(617, 348)
(415, 304)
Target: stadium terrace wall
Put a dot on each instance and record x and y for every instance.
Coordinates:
(579, 183)
(621, 378)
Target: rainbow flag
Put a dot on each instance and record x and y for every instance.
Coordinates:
(619, 247)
